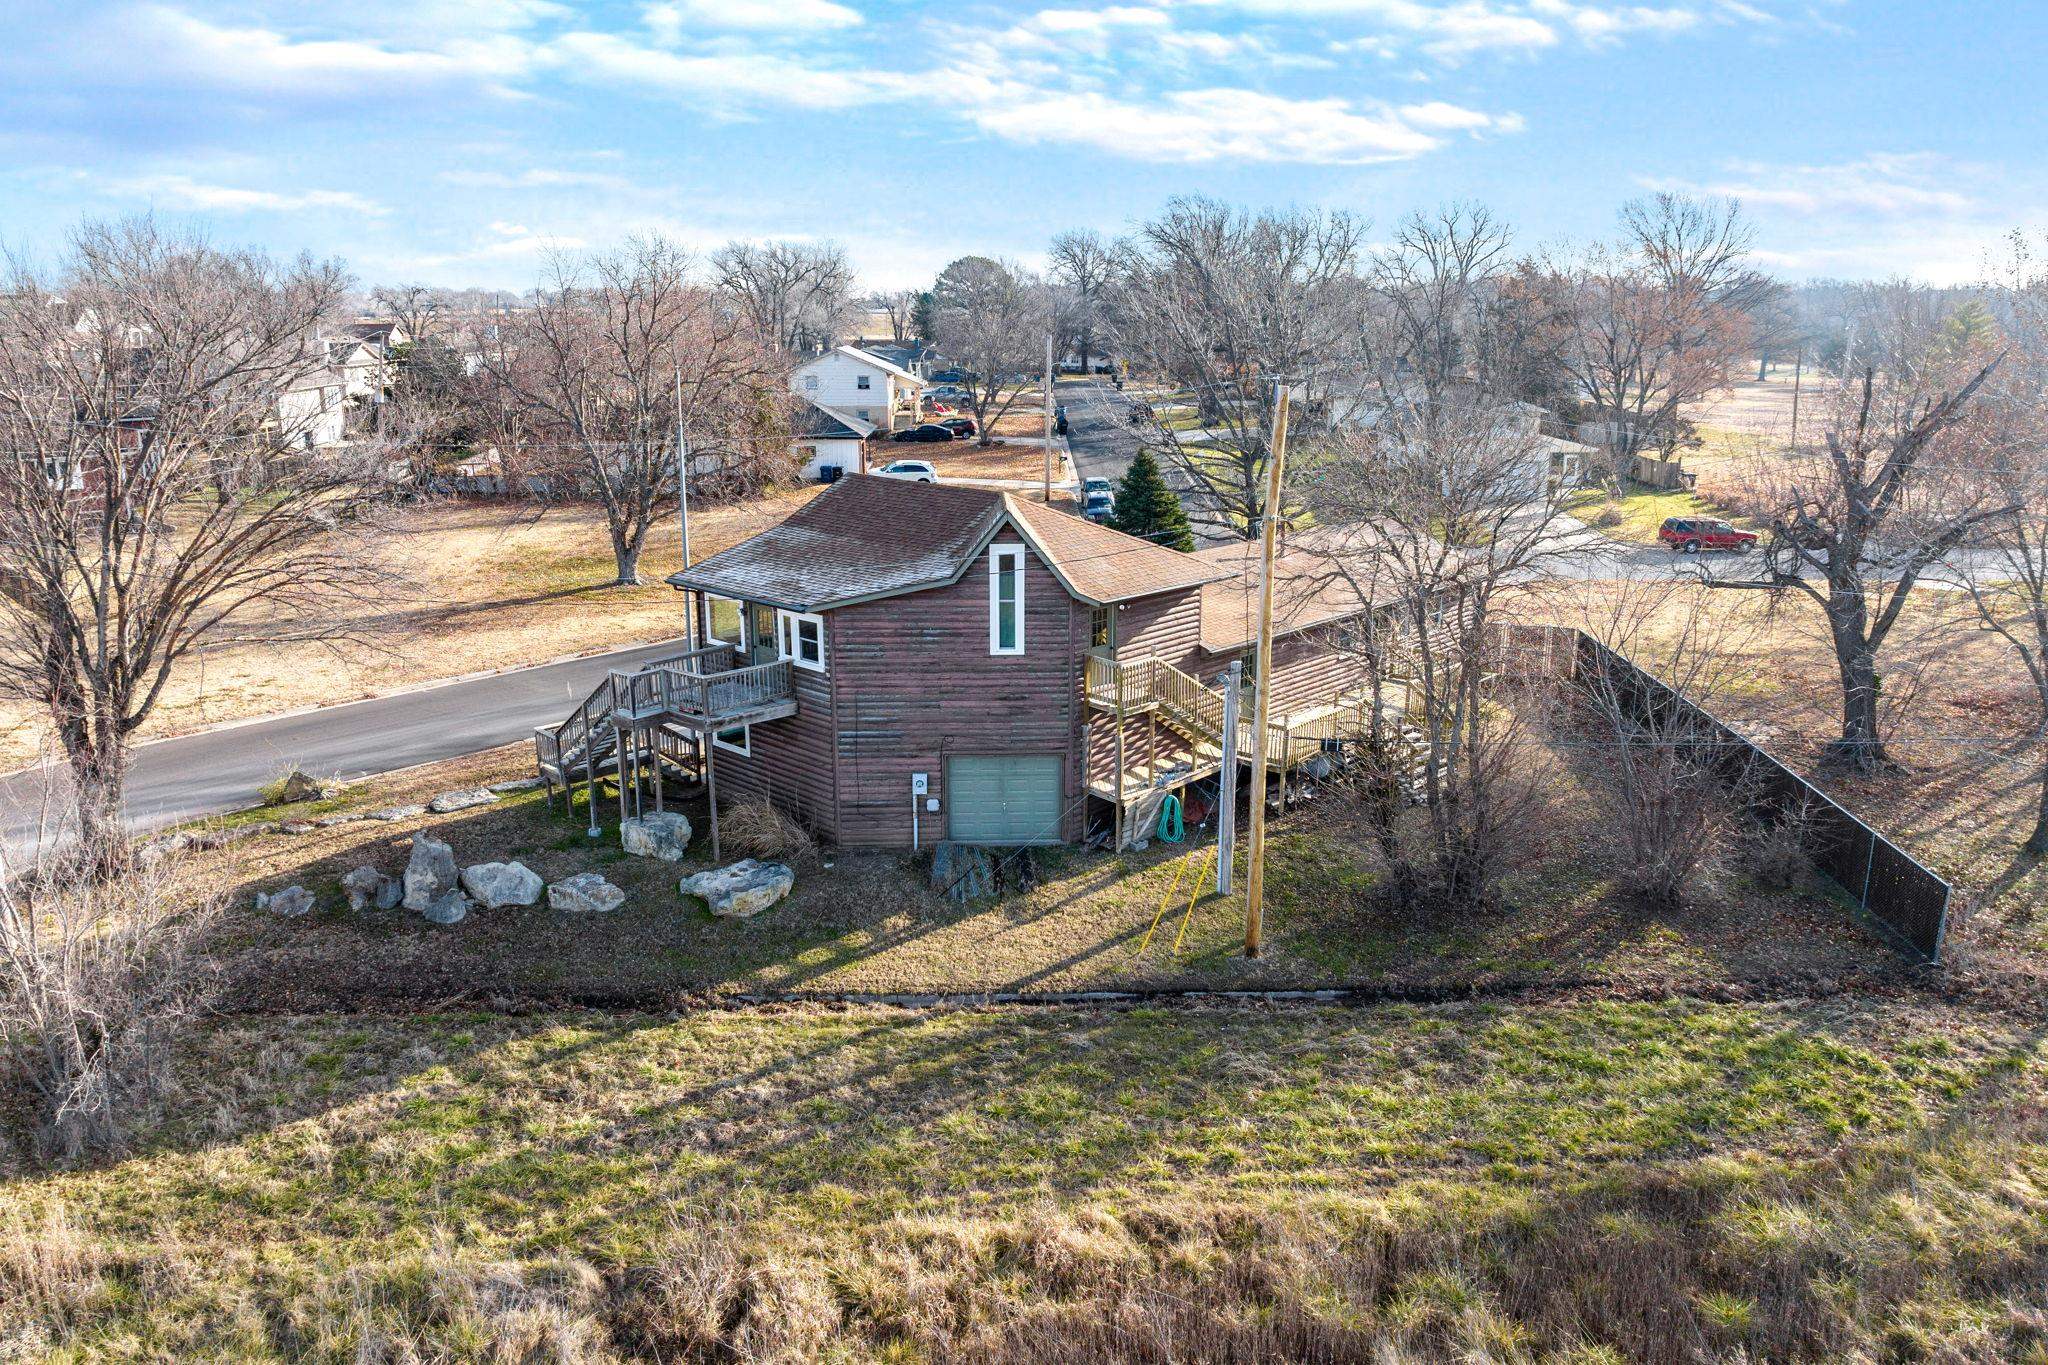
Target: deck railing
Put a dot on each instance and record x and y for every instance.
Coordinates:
(705, 698)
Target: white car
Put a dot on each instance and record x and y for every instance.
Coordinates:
(917, 471)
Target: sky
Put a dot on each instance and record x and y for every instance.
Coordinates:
(459, 142)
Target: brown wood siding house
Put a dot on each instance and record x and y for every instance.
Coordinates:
(944, 632)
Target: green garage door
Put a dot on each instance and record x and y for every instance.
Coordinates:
(1010, 800)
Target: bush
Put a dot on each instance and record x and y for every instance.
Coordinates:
(756, 829)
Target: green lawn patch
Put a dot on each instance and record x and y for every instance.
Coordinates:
(1638, 512)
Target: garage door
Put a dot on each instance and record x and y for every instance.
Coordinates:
(1010, 800)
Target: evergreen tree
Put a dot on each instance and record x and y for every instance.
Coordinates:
(1147, 507)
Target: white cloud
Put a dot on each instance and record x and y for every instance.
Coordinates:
(1458, 29)
(534, 178)
(672, 20)
(730, 78)
(183, 192)
(1215, 124)
(1881, 185)
(260, 60)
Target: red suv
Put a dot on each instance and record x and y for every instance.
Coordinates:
(1690, 535)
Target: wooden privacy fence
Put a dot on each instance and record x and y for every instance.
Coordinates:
(1887, 883)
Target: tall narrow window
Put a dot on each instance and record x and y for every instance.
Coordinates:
(1006, 599)
(1102, 628)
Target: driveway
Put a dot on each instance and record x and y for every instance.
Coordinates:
(220, 770)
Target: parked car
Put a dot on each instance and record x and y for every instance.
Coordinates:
(1690, 535)
(949, 376)
(1098, 505)
(1059, 418)
(915, 471)
(930, 431)
(1096, 485)
(961, 427)
(946, 391)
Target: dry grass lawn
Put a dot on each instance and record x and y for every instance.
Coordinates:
(496, 585)
(1582, 1181)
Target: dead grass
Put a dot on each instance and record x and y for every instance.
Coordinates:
(872, 923)
(1590, 1182)
(500, 586)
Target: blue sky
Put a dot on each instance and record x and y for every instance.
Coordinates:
(455, 141)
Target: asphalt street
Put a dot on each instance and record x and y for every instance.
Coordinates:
(220, 770)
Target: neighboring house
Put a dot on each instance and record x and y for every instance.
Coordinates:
(831, 444)
(861, 384)
(915, 357)
(312, 412)
(898, 664)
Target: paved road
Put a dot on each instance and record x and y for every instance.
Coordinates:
(1099, 431)
(194, 775)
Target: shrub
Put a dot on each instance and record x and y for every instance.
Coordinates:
(756, 829)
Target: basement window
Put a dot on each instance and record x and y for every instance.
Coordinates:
(738, 740)
(1006, 599)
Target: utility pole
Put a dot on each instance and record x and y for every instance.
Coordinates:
(1048, 417)
(1269, 532)
(1226, 785)
(1798, 362)
(683, 510)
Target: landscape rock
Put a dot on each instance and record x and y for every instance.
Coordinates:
(963, 872)
(429, 873)
(493, 885)
(744, 889)
(390, 813)
(295, 786)
(664, 835)
(291, 902)
(330, 821)
(366, 886)
(517, 784)
(449, 802)
(297, 827)
(452, 908)
(586, 892)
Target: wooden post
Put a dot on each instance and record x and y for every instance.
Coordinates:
(1286, 757)
(624, 748)
(711, 791)
(1119, 845)
(1798, 364)
(1226, 783)
(1269, 530)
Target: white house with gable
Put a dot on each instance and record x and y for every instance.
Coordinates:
(861, 384)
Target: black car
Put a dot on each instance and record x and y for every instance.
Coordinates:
(930, 431)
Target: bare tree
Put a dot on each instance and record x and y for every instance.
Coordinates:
(992, 318)
(95, 973)
(900, 307)
(797, 295)
(1658, 765)
(1436, 518)
(156, 492)
(419, 310)
(1083, 265)
(1221, 304)
(1432, 287)
(598, 360)
(2007, 577)
(1853, 530)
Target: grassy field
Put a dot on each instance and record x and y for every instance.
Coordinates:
(873, 923)
(1592, 1181)
(1638, 512)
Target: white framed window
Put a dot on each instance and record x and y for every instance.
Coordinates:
(64, 474)
(738, 740)
(726, 621)
(1006, 599)
(810, 383)
(860, 381)
(800, 638)
(862, 413)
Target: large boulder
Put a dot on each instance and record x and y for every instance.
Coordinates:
(367, 887)
(449, 802)
(290, 903)
(295, 787)
(452, 908)
(493, 885)
(586, 892)
(744, 889)
(429, 873)
(665, 835)
(963, 872)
